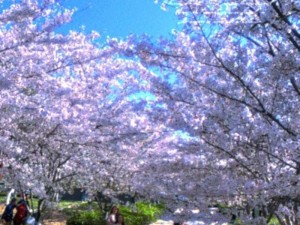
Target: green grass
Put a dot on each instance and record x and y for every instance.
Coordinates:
(2, 198)
(274, 221)
(69, 204)
(70, 208)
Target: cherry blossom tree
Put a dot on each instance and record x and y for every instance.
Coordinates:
(222, 122)
(65, 102)
(229, 80)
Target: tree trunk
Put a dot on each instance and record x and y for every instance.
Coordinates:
(39, 210)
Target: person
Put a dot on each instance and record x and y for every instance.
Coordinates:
(27, 197)
(7, 215)
(22, 213)
(113, 215)
(120, 220)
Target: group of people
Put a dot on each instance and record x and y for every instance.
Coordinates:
(114, 217)
(22, 211)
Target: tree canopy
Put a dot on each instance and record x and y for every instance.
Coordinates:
(210, 114)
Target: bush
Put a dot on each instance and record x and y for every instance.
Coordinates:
(274, 221)
(86, 218)
(145, 214)
(152, 211)
(133, 218)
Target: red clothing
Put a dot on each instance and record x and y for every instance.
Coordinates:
(21, 214)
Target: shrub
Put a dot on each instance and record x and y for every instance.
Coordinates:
(86, 218)
(133, 218)
(145, 214)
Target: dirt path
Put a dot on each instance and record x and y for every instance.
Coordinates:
(58, 219)
(2, 207)
(54, 222)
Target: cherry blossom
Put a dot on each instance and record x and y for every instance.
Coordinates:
(235, 95)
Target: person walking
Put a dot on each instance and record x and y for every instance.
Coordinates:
(22, 213)
(7, 215)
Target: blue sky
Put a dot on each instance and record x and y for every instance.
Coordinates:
(119, 18)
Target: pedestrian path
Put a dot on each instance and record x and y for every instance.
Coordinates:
(209, 217)
(196, 222)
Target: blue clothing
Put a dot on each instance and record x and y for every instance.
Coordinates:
(8, 213)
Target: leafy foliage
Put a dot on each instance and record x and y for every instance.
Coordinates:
(233, 98)
(86, 218)
(145, 213)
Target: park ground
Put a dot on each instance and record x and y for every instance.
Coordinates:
(67, 208)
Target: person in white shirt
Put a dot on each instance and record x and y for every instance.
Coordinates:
(113, 215)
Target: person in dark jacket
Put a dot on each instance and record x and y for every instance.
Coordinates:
(7, 215)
